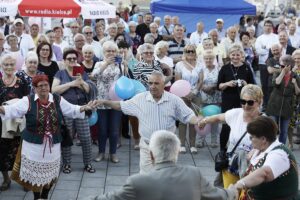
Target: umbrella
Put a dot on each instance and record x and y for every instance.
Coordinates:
(90, 9)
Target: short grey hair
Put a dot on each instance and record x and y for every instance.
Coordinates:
(132, 23)
(108, 44)
(146, 46)
(78, 35)
(164, 146)
(31, 55)
(86, 27)
(87, 47)
(8, 56)
(149, 38)
(236, 47)
(160, 45)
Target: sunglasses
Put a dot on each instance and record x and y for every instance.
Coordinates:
(71, 59)
(189, 51)
(88, 33)
(249, 102)
(150, 53)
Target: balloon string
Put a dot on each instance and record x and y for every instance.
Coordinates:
(196, 108)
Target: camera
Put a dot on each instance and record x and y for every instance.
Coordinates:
(238, 82)
(118, 59)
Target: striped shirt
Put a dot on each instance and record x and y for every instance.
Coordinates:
(142, 70)
(154, 116)
(176, 49)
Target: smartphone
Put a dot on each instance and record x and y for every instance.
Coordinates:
(78, 70)
(118, 59)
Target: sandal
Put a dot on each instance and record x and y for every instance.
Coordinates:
(5, 185)
(67, 169)
(89, 169)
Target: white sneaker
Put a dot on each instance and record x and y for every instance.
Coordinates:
(193, 150)
(182, 150)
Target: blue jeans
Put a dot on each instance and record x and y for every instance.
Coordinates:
(283, 127)
(109, 128)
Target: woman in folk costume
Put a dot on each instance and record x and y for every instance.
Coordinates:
(41, 150)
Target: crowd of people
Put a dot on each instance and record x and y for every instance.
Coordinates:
(251, 70)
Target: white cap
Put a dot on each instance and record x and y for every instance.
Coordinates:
(219, 20)
(18, 20)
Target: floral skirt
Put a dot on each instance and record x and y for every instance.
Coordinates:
(8, 152)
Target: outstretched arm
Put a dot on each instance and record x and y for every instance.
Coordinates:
(113, 104)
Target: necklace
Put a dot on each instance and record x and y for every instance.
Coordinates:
(235, 71)
(8, 83)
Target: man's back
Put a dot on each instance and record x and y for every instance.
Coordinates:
(169, 181)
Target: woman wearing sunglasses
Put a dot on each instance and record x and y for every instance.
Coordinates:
(281, 103)
(237, 119)
(189, 69)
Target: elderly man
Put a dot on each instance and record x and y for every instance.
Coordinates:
(229, 40)
(112, 33)
(88, 34)
(167, 29)
(156, 109)
(294, 38)
(198, 36)
(168, 180)
(220, 29)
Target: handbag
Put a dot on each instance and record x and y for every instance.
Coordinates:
(67, 140)
(222, 158)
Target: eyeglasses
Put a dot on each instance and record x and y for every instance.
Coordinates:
(249, 102)
(8, 64)
(190, 51)
(110, 51)
(42, 86)
(150, 52)
(32, 62)
(71, 59)
(79, 40)
(74, 27)
(88, 33)
(45, 49)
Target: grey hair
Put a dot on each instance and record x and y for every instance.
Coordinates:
(88, 47)
(253, 91)
(132, 23)
(31, 55)
(160, 45)
(145, 47)
(213, 30)
(157, 19)
(7, 57)
(230, 28)
(79, 34)
(86, 27)
(164, 146)
(236, 47)
(158, 74)
(108, 44)
(148, 38)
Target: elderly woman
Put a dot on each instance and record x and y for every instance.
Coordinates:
(46, 65)
(208, 44)
(232, 78)
(237, 119)
(136, 39)
(99, 30)
(11, 87)
(75, 89)
(40, 152)
(106, 73)
(14, 49)
(147, 65)
(272, 165)
(281, 103)
(31, 65)
(188, 69)
(88, 62)
(210, 95)
(154, 31)
(296, 117)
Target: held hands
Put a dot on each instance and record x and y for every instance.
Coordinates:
(236, 191)
(78, 82)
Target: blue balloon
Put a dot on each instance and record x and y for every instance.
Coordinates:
(211, 110)
(139, 87)
(93, 118)
(124, 88)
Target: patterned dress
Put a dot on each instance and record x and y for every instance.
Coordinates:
(9, 147)
(295, 120)
(27, 79)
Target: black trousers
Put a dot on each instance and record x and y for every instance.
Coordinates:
(264, 80)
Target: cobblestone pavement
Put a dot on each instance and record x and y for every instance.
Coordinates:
(109, 176)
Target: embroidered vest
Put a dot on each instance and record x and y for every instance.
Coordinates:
(40, 119)
(283, 187)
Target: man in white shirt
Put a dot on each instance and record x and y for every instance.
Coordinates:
(25, 41)
(88, 33)
(4, 27)
(294, 38)
(167, 29)
(156, 109)
(262, 45)
(249, 23)
(228, 41)
(220, 28)
(198, 36)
